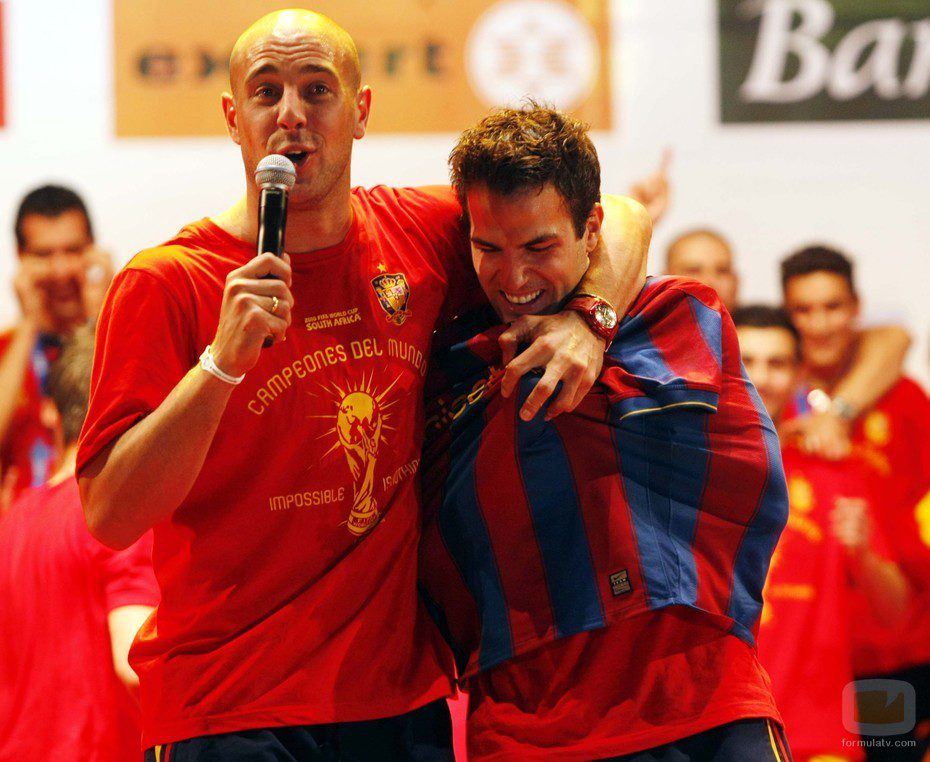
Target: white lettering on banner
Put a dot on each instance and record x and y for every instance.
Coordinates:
(866, 58)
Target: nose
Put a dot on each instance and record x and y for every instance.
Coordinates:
(514, 272)
(291, 115)
(62, 265)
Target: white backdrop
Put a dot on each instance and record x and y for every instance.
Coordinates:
(862, 186)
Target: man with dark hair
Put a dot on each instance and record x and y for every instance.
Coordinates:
(60, 284)
(71, 607)
(281, 481)
(814, 259)
(765, 316)
(832, 565)
(821, 299)
(49, 201)
(599, 574)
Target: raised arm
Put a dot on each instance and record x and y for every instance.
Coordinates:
(564, 344)
(15, 361)
(144, 474)
(13, 366)
(654, 190)
(881, 581)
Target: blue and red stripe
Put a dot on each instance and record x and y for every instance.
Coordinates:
(558, 522)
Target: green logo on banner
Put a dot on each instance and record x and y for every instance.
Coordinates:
(818, 60)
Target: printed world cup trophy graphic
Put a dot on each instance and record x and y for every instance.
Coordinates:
(358, 425)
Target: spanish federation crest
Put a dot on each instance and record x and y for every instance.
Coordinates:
(393, 293)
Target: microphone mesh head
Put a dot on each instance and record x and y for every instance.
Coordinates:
(275, 169)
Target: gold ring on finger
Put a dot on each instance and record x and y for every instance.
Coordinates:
(274, 305)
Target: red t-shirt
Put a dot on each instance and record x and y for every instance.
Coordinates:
(643, 682)
(805, 637)
(29, 443)
(898, 430)
(893, 437)
(60, 697)
(288, 574)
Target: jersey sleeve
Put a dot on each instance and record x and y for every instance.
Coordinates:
(126, 576)
(143, 349)
(668, 352)
(438, 208)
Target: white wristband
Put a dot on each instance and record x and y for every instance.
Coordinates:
(209, 364)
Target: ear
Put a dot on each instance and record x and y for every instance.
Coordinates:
(592, 230)
(363, 108)
(230, 114)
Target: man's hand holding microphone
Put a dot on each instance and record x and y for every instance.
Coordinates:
(257, 299)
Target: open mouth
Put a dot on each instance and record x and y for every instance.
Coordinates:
(298, 157)
(522, 300)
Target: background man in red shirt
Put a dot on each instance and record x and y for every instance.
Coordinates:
(831, 566)
(71, 608)
(705, 255)
(823, 304)
(60, 284)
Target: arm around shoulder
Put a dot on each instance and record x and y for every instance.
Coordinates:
(877, 366)
(618, 268)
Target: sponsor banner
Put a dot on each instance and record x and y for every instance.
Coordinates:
(2, 71)
(820, 60)
(433, 65)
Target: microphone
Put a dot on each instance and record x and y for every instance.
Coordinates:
(275, 175)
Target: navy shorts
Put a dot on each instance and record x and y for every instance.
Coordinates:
(741, 741)
(423, 735)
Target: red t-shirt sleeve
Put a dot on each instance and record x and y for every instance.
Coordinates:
(126, 575)
(669, 350)
(143, 350)
(438, 208)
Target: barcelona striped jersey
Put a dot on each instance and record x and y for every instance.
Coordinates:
(663, 487)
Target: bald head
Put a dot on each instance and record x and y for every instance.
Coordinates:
(289, 25)
(704, 255)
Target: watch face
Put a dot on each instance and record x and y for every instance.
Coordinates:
(605, 315)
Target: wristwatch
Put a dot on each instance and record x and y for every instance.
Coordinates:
(597, 313)
(821, 402)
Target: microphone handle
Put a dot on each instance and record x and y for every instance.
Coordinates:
(272, 219)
